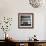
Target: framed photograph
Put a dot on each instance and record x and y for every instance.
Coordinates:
(25, 20)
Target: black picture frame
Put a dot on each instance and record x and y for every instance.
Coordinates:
(25, 20)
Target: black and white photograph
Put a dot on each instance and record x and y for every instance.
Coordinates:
(25, 20)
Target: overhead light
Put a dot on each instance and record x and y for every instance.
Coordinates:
(36, 3)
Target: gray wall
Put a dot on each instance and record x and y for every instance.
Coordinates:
(11, 8)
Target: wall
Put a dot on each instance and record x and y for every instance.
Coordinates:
(11, 8)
